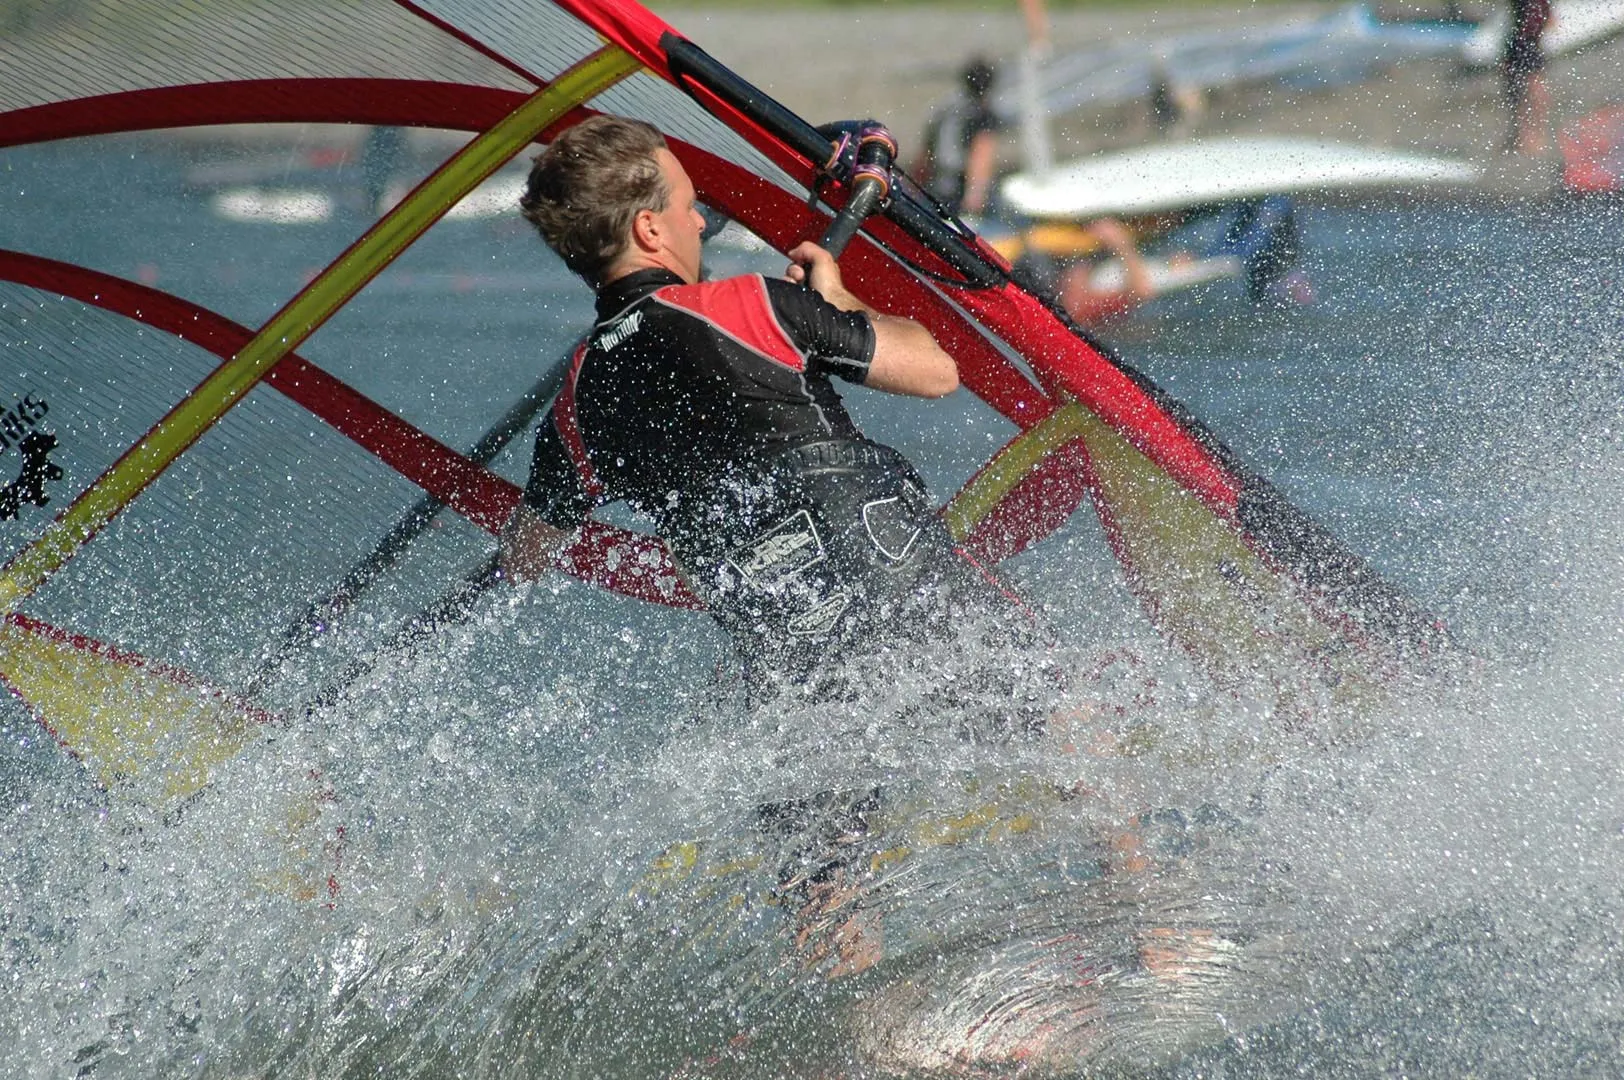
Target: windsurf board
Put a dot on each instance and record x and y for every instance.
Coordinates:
(1197, 172)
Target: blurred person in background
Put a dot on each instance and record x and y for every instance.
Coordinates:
(1085, 299)
(1522, 64)
(960, 147)
(1075, 282)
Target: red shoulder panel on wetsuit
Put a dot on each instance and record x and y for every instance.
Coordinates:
(740, 308)
(570, 430)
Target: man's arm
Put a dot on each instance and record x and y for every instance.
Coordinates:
(529, 544)
(907, 359)
(1115, 236)
(980, 164)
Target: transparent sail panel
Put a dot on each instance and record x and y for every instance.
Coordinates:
(56, 52)
(546, 40)
(269, 509)
(676, 114)
(542, 39)
(92, 383)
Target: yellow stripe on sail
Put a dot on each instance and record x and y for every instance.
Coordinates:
(317, 302)
(124, 719)
(157, 737)
(982, 495)
(1206, 588)
(1246, 622)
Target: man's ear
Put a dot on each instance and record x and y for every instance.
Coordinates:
(646, 230)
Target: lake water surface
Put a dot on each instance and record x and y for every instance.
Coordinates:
(555, 860)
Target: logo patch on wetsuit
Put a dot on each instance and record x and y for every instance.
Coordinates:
(891, 528)
(620, 331)
(821, 619)
(779, 553)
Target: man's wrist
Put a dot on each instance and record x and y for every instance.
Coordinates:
(842, 298)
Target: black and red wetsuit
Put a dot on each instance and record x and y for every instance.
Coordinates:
(710, 409)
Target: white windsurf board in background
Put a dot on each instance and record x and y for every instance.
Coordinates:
(1176, 175)
(496, 197)
(272, 207)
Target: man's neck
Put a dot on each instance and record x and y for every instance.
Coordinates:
(634, 262)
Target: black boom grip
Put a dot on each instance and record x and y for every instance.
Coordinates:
(870, 184)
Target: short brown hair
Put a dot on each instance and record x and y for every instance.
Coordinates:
(589, 184)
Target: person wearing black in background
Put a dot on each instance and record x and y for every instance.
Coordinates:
(960, 147)
(1523, 65)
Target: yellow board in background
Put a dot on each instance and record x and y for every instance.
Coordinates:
(1065, 240)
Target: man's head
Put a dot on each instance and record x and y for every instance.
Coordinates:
(609, 197)
(979, 75)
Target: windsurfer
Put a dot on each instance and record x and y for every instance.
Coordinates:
(1074, 282)
(708, 406)
(1522, 64)
(1089, 303)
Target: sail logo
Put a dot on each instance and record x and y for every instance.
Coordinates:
(781, 552)
(37, 471)
(620, 331)
(19, 427)
(23, 417)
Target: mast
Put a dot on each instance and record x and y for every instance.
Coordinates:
(1035, 146)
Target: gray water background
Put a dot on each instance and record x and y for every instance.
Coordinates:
(1441, 898)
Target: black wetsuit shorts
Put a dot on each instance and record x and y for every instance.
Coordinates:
(826, 549)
